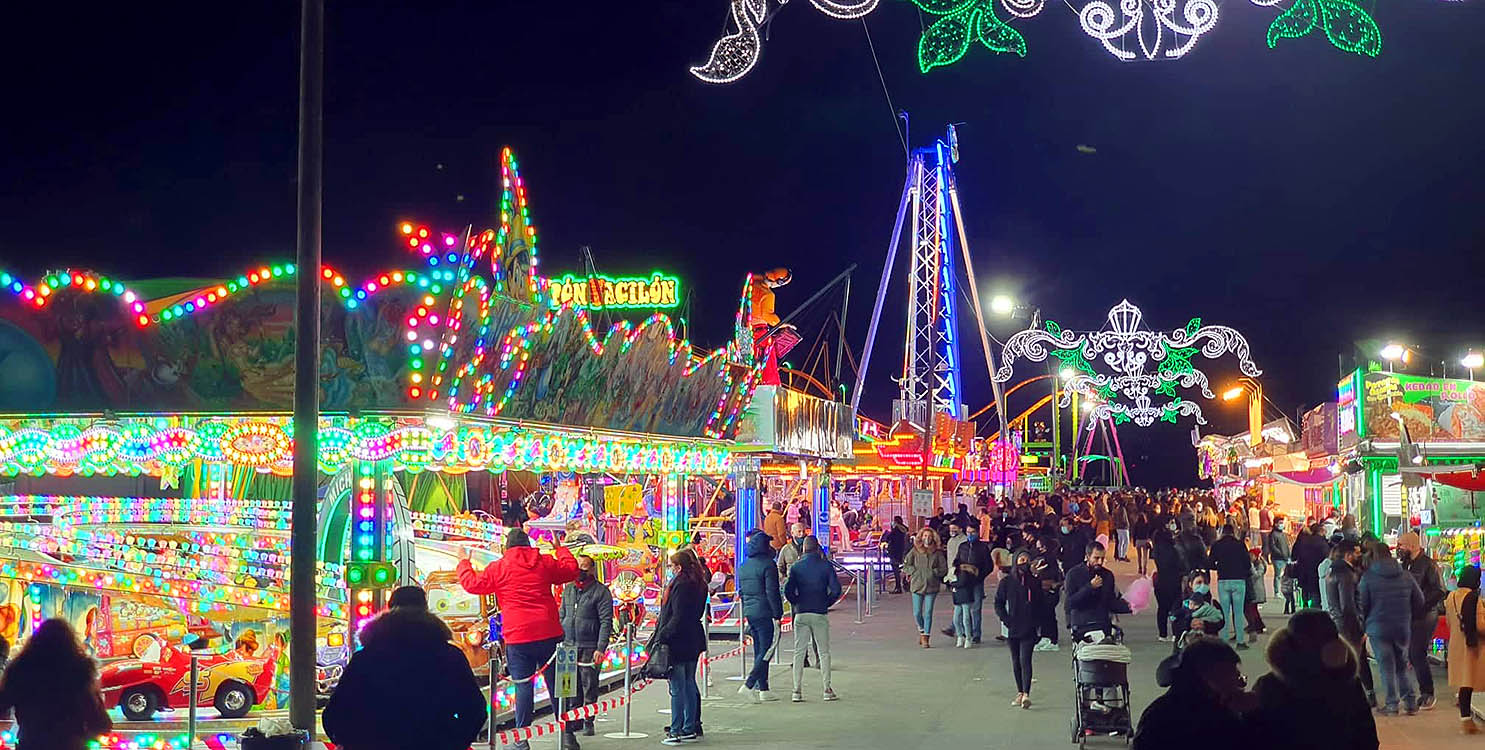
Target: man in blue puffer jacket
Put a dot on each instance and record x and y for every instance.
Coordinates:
(758, 585)
(1389, 597)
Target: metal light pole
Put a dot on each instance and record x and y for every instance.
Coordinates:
(306, 375)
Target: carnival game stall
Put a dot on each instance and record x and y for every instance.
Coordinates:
(146, 444)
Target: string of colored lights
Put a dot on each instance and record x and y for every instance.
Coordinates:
(150, 445)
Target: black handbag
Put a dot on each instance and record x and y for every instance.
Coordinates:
(657, 667)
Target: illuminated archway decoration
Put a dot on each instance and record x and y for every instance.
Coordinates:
(1127, 29)
(1110, 367)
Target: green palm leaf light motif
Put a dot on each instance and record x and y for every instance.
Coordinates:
(960, 23)
(1348, 27)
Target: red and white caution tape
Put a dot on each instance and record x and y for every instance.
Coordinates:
(510, 736)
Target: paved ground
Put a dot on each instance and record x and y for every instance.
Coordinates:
(895, 695)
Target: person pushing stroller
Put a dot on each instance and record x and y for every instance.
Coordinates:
(1092, 598)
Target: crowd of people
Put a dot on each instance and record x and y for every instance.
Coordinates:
(1349, 598)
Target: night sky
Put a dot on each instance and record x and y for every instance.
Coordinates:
(1308, 197)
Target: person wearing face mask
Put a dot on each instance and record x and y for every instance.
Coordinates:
(587, 614)
(1426, 572)
(791, 551)
(975, 553)
(1389, 600)
(763, 608)
(1205, 703)
(1072, 541)
(1344, 607)
(951, 553)
(1197, 611)
(1167, 578)
(1019, 602)
(1049, 574)
(1276, 549)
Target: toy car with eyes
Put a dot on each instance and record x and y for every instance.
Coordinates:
(158, 677)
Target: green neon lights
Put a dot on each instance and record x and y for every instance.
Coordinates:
(947, 40)
(599, 292)
(1346, 25)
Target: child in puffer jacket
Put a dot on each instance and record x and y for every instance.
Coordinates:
(966, 578)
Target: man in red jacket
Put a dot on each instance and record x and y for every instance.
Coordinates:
(522, 582)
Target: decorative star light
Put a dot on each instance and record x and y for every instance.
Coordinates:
(1124, 389)
(736, 53)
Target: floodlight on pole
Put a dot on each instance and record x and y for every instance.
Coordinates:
(1472, 361)
(1232, 393)
(1001, 304)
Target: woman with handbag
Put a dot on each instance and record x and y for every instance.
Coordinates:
(1466, 619)
(679, 641)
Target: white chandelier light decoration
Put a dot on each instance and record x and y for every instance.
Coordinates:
(1110, 367)
(736, 53)
(1151, 23)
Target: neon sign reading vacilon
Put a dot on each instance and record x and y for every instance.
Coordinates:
(603, 292)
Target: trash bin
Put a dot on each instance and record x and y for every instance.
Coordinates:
(253, 739)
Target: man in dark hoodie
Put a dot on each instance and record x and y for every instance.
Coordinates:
(1204, 705)
(587, 614)
(758, 584)
(1389, 597)
(522, 582)
(408, 688)
(1343, 606)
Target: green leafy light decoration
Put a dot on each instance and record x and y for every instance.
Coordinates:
(1177, 361)
(960, 22)
(1346, 24)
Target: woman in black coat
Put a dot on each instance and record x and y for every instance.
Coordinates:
(1020, 604)
(1169, 572)
(679, 629)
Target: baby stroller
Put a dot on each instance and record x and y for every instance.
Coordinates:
(1101, 704)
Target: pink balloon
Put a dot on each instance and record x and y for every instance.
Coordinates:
(1104, 540)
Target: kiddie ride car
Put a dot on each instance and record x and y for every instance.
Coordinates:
(159, 678)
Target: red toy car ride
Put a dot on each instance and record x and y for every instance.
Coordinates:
(160, 678)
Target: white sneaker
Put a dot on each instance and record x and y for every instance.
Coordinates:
(745, 690)
(765, 696)
(968, 643)
(1053, 646)
(959, 642)
(1041, 645)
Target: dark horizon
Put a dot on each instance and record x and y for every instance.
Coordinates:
(1307, 197)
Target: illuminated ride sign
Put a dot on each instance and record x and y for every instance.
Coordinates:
(605, 293)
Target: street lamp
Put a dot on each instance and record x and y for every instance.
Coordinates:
(1392, 352)
(1472, 361)
(1254, 390)
(1001, 304)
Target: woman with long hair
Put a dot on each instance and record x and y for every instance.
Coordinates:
(925, 566)
(1466, 619)
(680, 630)
(52, 685)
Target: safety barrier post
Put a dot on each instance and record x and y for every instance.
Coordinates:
(194, 697)
(871, 590)
(628, 688)
(860, 601)
(742, 660)
(494, 695)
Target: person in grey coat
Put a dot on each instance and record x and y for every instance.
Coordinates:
(587, 615)
(1389, 597)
